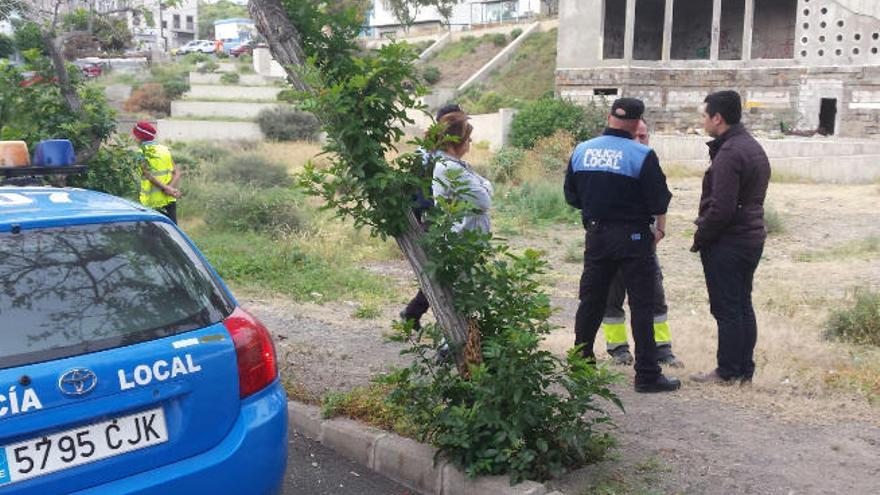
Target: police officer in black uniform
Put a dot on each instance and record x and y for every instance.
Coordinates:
(618, 185)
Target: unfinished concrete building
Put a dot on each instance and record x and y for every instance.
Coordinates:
(802, 64)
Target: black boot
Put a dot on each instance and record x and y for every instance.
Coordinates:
(659, 384)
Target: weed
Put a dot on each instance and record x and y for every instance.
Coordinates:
(208, 67)
(431, 74)
(367, 312)
(538, 202)
(230, 78)
(858, 324)
(773, 221)
(499, 39)
(252, 169)
(368, 404)
(866, 248)
(515, 33)
(150, 98)
(237, 208)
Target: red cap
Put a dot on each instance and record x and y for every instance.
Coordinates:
(144, 131)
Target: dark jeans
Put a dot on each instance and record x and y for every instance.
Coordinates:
(628, 248)
(730, 270)
(617, 292)
(417, 307)
(170, 211)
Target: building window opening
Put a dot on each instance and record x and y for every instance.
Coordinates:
(691, 30)
(605, 92)
(733, 13)
(773, 31)
(648, 43)
(614, 30)
(827, 116)
(176, 22)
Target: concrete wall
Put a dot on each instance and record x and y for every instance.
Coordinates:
(213, 109)
(220, 92)
(492, 128)
(823, 160)
(190, 130)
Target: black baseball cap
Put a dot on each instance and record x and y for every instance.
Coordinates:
(628, 108)
(450, 108)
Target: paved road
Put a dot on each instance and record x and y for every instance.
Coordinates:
(313, 469)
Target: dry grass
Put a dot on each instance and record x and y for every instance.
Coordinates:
(799, 371)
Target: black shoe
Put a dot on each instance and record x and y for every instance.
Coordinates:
(665, 357)
(621, 356)
(660, 384)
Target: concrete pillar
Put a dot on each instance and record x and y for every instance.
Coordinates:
(667, 30)
(629, 38)
(716, 30)
(749, 17)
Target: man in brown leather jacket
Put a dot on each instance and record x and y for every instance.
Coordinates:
(730, 234)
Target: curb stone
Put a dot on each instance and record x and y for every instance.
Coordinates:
(401, 459)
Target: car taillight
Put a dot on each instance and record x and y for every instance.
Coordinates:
(257, 366)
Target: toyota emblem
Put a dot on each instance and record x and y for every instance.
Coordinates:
(78, 381)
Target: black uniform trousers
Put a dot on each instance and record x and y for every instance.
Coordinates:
(730, 270)
(629, 248)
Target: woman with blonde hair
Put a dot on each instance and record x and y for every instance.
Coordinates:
(455, 143)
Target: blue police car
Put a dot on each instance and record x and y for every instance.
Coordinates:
(126, 366)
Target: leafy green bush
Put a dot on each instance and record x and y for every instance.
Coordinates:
(286, 123)
(479, 101)
(250, 169)
(499, 39)
(552, 152)
(859, 324)
(115, 169)
(235, 208)
(173, 78)
(207, 67)
(516, 33)
(27, 36)
(544, 117)
(195, 156)
(506, 163)
(288, 95)
(230, 78)
(431, 74)
(196, 58)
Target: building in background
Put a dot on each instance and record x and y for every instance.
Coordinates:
(465, 15)
(812, 65)
(157, 28)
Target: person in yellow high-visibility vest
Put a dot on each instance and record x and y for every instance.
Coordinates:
(614, 321)
(159, 175)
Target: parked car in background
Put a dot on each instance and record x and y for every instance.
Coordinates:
(89, 69)
(194, 46)
(127, 367)
(246, 48)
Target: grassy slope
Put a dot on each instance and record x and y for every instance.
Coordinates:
(531, 73)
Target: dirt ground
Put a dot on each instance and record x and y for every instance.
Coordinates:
(809, 424)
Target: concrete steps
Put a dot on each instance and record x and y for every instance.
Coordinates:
(219, 92)
(233, 110)
(208, 130)
(243, 79)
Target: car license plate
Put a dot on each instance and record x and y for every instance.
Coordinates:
(39, 456)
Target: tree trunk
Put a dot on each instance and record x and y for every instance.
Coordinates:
(286, 47)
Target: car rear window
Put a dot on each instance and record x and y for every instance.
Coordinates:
(84, 288)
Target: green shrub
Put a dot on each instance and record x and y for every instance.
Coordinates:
(235, 208)
(246, 61)
(773, 221)
(207, 67)
(544, 117)
(230, 78)
(251, 169)
(173, 78)
(506, 164)
(288, 124)
(288, 95)
(222, 55)
(536, 202)
(499, 39)
(488, 102)
(552, 152)
(196, 58)
(431, 74)
(515, 33)
(859, 324)
(195, 156)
